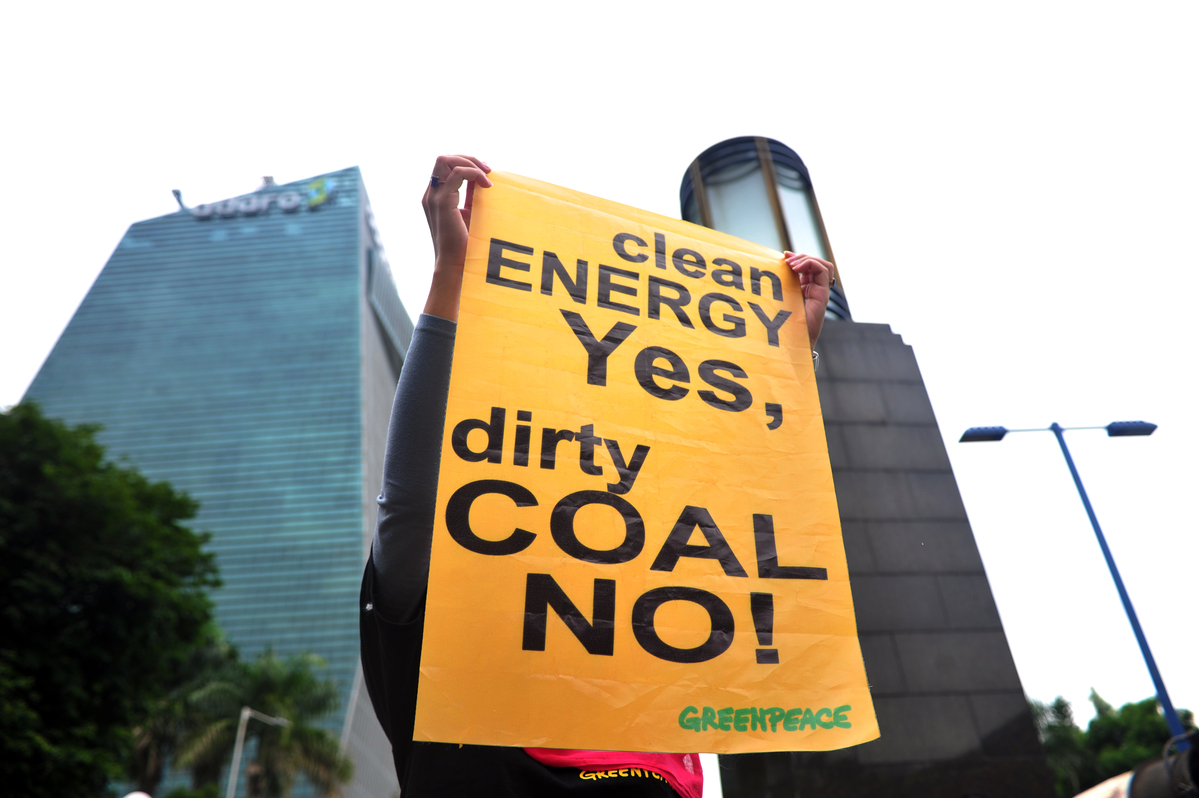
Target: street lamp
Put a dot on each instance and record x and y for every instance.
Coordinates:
(1116, 429)
(246, 714)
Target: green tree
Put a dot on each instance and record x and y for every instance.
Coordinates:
(179, 714)
(1124, 738)
(1066, 752)
(1115, 742)
(103, 595)
(207, 791)
(289, 688)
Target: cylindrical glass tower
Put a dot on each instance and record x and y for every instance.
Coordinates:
(758, 189)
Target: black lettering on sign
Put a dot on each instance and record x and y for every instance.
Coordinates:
(771, 325)
(728, 275)
(755, 282)
(768, 558)
(719, 614)
(645, 369)
(495, 437)
(549, 444)
(620, 244)
(496, 261)
(761, 607)
(607, 288)
(587, 442)
(742, 398)
(457, 517)
(520, 454)
(577, 288)
(562, 527)
(737, 330)
(774, 411)
(628, 472)
(660, 250)
(689, 262)
(543, 593)
(676, 544)
(656, 300)
(597, 350)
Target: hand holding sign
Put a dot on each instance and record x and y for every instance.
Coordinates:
(449, 225)
(814, 282)
(624, 557)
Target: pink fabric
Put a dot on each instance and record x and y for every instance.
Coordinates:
(682, 771)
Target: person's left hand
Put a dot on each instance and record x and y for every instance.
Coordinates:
(449, 226)
(815, 280)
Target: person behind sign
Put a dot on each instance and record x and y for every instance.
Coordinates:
(392, 602)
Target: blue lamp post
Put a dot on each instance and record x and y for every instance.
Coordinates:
(1115, 429)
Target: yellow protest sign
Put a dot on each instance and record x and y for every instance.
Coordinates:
(637, 544)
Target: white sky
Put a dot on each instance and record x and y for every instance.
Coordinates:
(1011, 188)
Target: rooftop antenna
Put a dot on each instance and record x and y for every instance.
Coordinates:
(179, 198)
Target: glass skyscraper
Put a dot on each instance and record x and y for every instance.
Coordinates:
(247, 352)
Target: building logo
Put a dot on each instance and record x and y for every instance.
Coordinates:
(319, 191)
(314, 195)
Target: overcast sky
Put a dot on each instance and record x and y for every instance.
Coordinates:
(1011, 187)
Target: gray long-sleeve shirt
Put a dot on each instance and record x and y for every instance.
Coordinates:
(392, 607)
(407, 502)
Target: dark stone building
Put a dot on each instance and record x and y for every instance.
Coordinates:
(951, 710)
(952, 716)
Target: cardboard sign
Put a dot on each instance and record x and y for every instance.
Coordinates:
(637, 543)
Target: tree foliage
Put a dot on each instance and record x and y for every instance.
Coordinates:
(289, 688)
(1115, 742)
(180, 714)
(103, 597)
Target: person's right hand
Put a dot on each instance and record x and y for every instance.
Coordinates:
(816, 282)
(448, 225)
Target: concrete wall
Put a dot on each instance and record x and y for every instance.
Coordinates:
(951, 710)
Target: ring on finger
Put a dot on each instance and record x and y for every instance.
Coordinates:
(435, 181)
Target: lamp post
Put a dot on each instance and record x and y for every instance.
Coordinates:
(1115, 429)
(239, 743)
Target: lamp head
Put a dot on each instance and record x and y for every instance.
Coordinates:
(1119, 429)
(975, 434)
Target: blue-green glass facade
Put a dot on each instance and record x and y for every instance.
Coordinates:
(244, 352)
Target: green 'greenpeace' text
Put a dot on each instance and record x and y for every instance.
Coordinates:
(764, 718)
